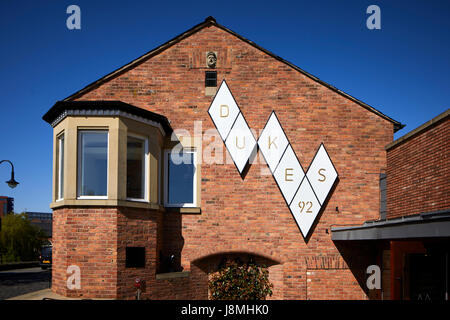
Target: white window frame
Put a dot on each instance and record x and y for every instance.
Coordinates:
(79, 196)
(160, 166)
(60, 139)
(146, 167)
(166, 181)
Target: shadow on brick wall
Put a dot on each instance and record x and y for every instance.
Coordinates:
(359, 255)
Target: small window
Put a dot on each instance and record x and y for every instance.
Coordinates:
(60, 167)
(135, 257)
(211, 79)
(92, 164)
(180, 179)
(137, 163)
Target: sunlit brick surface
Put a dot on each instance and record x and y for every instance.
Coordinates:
(246, 215)
(418, 172)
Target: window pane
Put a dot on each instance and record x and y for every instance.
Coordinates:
(135, 257)
(211, 79)
(93, 163)
(135, 168)
(181, 180)
(60, 185)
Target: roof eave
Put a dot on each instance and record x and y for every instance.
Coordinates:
(61, 107)
(208, 22)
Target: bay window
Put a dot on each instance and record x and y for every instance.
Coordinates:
(180, 179)
(60, 167)
(137, 164)
(92, 164)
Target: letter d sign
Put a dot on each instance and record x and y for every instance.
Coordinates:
(224, 111)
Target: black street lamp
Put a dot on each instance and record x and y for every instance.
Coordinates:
(11, 183)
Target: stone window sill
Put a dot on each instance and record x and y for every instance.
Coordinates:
(195, 210)
(105, 203)
(172, 275)
(121, 203)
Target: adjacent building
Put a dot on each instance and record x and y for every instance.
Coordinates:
(42, 220)
(6, 205)
(412, 238)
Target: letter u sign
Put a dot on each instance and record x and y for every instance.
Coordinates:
(304, 193)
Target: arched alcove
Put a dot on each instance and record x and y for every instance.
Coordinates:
(203, 267)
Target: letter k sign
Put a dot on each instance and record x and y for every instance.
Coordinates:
(304, 193)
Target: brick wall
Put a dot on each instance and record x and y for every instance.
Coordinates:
(137, 228)
(172, 289)
(418, 172)
(95, 240)
(250, 215)
(86, 238)
(333, 284)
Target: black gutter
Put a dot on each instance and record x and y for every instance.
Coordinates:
(423, 225)
(104, 105)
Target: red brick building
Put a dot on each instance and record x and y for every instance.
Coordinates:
(412, 238)
(122, 209)
(42, 220)
(6, 205)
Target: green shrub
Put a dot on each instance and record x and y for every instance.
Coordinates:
(240, 281)
(19, 239)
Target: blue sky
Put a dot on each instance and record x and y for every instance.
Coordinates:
(403, 69)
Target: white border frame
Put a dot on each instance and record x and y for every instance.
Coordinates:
(167, 153)
(146, 168)
(81, 197)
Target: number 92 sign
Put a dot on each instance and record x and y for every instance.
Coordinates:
(313, 190)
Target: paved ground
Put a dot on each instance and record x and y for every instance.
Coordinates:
(21, 281)
(45, 294)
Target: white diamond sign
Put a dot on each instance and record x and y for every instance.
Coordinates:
(232, 127)
(288, 174)
(223, 110)
(305, 207)
(272, 142)
(305, 194)
(240, 143)
(322, 174)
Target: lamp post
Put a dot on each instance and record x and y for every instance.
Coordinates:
(11, 182)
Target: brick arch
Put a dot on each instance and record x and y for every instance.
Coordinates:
(207, 263)
(274, 260)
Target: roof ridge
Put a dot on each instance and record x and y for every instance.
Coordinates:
(210, 20)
